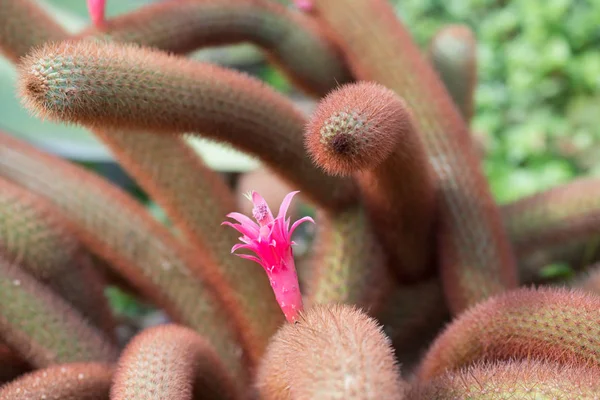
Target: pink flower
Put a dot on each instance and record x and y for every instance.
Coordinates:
(96, 10)
(304, 5)
(271, 241)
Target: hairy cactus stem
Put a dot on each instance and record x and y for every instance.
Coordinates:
(348, 263)
(165, 94)
(171, 362)
(453, 54)
(525, 380)
(355, 358)
(34, 234)
(379, 48)
(69, 381)
(366, 130)
(553, 324)
(294, 42)
(44, 328)
(119, 230)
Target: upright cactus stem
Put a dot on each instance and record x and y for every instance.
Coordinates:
(348, 264)
(475, 258)
(366, 130)
(453, 54)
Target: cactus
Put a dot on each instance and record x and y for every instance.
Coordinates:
(348, 264)
(70, 381)
(407, 237)
(43, 327)
(555, 325)
(527, 380)
(366, 130)
(346, 343)
(162, 355)
(33, 235)
(384, 52)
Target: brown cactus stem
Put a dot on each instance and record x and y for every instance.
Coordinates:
(170, 95)
(23, 26)
(171, 362)
(552, 324)
(366, 130)
(524, 380)
(118, 229)
(34, 234)
(73, 381)
(41, 327)
(556, 218)
(181, 176)
(244, 289)
(453, 54)
(348, 264)
(11, 364)
(355, 359)
(476, 258)
(293, 41)
(412, 316)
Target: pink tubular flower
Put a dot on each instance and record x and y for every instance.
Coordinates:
(96, 10)
(271, 241)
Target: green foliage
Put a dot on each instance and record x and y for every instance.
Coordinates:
(538, 95)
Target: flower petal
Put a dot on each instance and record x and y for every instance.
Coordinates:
(244, 220)
(242, 246)
(285, 204)
(297, 223)
(243, 229)
(251, 258)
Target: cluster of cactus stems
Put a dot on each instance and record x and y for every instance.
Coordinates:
(417, 285)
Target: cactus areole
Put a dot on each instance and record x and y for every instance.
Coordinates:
(271, 240)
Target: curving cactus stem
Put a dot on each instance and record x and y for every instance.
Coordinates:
(70, 381)
(107, 85)
(295, 43)
(525, 380)
(43, 327)
(476, 260)
(171, 362)
(557, 325)
(366, 130)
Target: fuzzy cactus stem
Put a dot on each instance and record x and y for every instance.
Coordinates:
(271, 241)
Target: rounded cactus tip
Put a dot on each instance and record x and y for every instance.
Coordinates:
(356, 127)
(354, 357)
